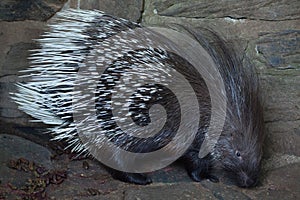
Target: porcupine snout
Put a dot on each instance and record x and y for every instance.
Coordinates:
(245, 180)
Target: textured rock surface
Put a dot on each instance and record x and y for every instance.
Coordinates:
(16, 38)
(41, 10)
(13, 147)
(174, 191)
(280, 49)
(131, 10)
(87, 179)
(268, 31)
(282, 183)
(282, 111)
(252, 10)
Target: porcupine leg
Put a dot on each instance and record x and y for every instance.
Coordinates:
(198, 168)
(140, 179)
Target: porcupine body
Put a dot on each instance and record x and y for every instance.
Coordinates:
(75, 37)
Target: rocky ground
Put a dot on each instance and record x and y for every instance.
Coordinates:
(32, 171)
(31, 167)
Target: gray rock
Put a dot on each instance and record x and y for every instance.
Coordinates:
(91, 183)
(222, 191)
(253, 10)
(280, 48)
(41, 10)
(16, 38)
(282, 112)
(182, 191)
(282, 183)
(17, 57)
(14, 147)
(131, 10)
(7, 108)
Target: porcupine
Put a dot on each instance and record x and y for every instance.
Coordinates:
(76, 34)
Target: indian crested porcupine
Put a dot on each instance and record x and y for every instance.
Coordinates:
(93, 72)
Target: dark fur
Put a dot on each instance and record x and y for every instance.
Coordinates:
(239, 149)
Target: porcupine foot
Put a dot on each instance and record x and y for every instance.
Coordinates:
(139, 179)
(199, 168)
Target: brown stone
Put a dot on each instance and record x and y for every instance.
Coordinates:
(177, 192)
(131, 10)
(279, 48)
(16, 38)
(41, 10)
(282, 183)
(252, 10)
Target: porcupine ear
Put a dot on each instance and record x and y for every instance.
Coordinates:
(47, 95)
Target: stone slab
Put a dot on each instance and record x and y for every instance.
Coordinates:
(131, 10)
(40, 10)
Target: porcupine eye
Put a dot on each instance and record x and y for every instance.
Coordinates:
(238, 154)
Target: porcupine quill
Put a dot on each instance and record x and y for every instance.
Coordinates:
(76, 35)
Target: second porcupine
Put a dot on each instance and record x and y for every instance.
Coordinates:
(239, 148)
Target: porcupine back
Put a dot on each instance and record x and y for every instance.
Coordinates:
(48, 95)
